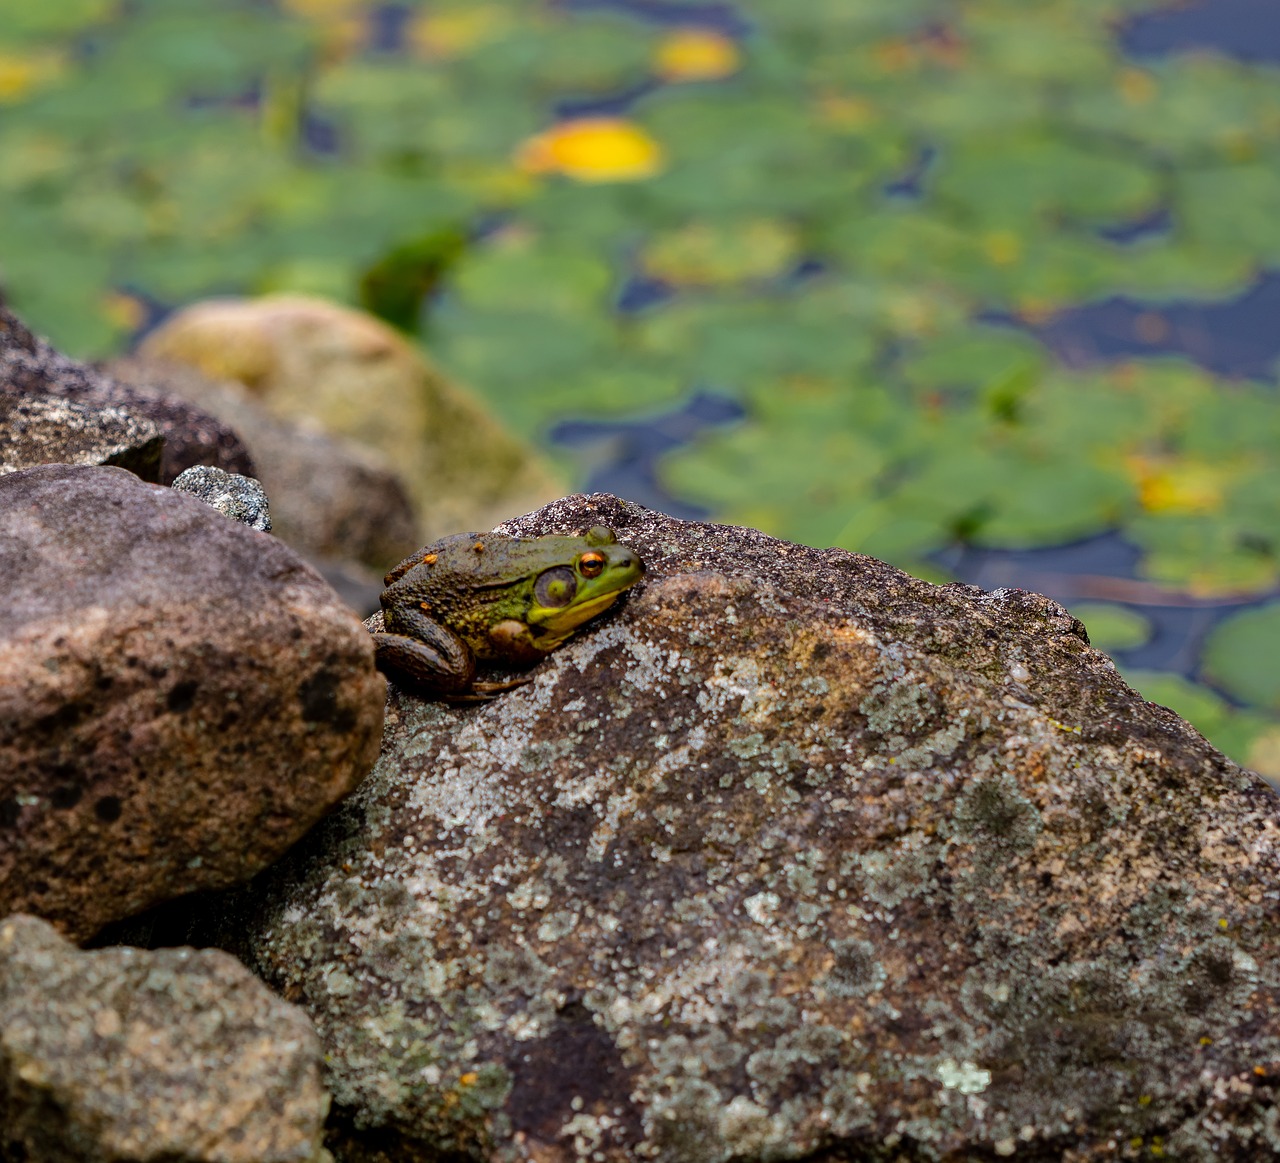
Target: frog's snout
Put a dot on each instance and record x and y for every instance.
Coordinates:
(624, 559)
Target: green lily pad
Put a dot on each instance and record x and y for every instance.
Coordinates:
(20, 19)
(1231, 209)
(722, 251)
(1240, 656)
(1112, 627)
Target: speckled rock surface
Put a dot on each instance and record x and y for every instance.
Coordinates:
(238, 497)
(129, 1056)
(304, 357)
(791, 856)
(180, 696)
(49, 430)
(332, 499)
(30, 367)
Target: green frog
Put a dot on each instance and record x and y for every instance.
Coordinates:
(486, 596)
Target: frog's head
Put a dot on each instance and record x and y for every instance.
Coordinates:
(583, 576)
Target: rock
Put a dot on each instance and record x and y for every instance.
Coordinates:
(333, 499)
(180, 696)
(49, 430)
(793, 856)
(359, 378)
(240, 498)
(172, 1056)
(30, 367)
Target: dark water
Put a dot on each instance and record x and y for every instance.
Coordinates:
(1246, 30)
(1103, 568)
(626, 452)
(719, 17)
(1237, 338)
(388, 27)
(1159, 221)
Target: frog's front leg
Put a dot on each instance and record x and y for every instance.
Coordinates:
(422, 654)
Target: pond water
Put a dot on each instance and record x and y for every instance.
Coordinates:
(1236, 338)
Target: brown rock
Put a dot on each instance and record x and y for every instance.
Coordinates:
(307, 358)
(180, 696)
(130, 1056)
(792, 856)
(30, 367)
(50, 430)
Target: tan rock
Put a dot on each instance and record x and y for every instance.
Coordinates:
(306, 357)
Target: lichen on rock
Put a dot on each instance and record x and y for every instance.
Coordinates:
(793, 855)
(149, 1056)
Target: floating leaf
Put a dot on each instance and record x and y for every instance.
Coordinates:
(1013, 180)
(1112, 627)
(515, 273)
(1231, 209)
(722, 251)
(1240, 656)
(442, 33)
(1263, 753)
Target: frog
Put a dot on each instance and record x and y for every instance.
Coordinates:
(490, 597)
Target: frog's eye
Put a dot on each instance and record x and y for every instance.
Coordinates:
(591, 564)
(555, 587)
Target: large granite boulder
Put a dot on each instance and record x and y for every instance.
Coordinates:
(792, 856)
(180, 696)
(29, 367)
(128, 1056)
(306, 358)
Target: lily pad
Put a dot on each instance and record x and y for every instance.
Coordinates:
(1112, 627)
(722, 251)
(1240, 656)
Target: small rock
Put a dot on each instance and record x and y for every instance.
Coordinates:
(50, 430)
(239, 497)
(181, 698)
(792, 855)
(333, 500)
(30, 367)
(308, 358)
(128, 1056)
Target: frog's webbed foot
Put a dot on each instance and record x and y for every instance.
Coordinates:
(482, 692)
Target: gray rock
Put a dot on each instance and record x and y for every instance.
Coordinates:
(30, 367)
(49, 430)
(333, 499)
(239, 497)
(180, 696)
(130, 1056)
(792, 856)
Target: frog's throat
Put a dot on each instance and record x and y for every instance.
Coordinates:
(559, 624)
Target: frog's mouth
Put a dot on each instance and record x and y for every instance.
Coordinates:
(558, 623)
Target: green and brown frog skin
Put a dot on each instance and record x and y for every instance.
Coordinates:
(485, 596)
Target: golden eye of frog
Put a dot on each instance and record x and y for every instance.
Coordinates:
(502, 599)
